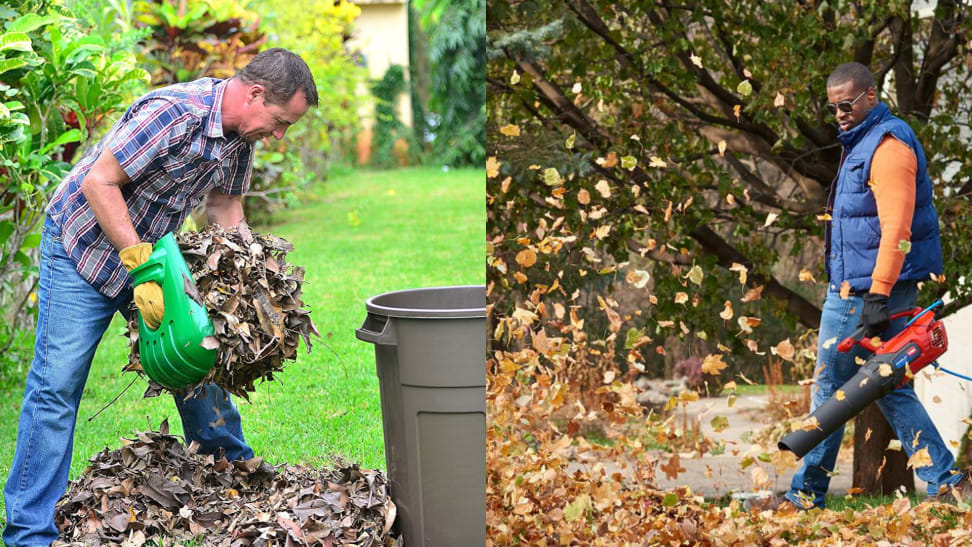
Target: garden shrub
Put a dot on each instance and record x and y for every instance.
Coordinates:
(60, 80)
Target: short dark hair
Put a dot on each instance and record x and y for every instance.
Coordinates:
(851, 72)
(281, 73)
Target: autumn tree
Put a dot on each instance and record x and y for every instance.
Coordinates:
(694, 134)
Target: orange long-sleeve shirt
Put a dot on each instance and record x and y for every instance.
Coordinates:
(893, 171)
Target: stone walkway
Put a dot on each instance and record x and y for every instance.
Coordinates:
(720, 475)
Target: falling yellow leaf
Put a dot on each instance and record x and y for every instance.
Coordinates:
(785, 350)
(753, 294)
(681, 298)
(860, 361)
(839, 395)
(657, 162)
(688, 396)
(515, 77)
(736, 110)
(505, 186)
(526, 258)
(583, 196)
(742, 270)
(894, 444)
(730, 199)
(808, 424)
(806, 276)
(885, 370)
(722, 148)
(492, 167)
(577, 88)
(726, 313)
(825, 217)
(602, 231)
(779, 100)
(638, 278)
(520, 277)
(729, 386)
(904, 246)
(770, 219)
(713, 363)
(629, 162)
(747, 324)
(920, 458)
(603, 188)
(551, 177)
(845, 289)
(760, 478)
(695, 275)
(569, 143)
(719, 423)
(696, 60)
(745, 88)
(829, 342)
(510, 130)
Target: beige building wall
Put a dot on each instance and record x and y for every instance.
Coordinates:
(381, 34)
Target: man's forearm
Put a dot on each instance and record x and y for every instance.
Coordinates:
(102, 190)
(227, 211)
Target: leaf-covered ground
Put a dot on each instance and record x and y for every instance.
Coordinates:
(547, 484)
(156, 489)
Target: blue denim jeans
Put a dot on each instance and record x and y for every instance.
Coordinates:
(72, 317)
(901, 407)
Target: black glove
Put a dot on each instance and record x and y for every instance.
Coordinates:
(875, 318)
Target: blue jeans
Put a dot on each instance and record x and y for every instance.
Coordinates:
(901, 407)
(72, 317)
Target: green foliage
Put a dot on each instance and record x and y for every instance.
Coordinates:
(457, 54)
(58, 82)
(317, 31)
(705, 128)
(389, 131)
(196, 38)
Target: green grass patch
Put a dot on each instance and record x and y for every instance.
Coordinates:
(361, 234)
(743, 388)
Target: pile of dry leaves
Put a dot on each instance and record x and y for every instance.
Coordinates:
(253, 297)
(156, 489)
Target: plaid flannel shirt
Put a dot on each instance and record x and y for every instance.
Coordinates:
(171, 144)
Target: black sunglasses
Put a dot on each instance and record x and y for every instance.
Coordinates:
(844, 106)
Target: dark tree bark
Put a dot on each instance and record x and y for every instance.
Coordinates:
(869, 455)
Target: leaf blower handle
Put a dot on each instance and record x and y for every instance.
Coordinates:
(148, 295)
(857, 337)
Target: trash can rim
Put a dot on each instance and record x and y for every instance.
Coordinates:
(373, 306)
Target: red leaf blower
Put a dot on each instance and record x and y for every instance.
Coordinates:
(893, 364)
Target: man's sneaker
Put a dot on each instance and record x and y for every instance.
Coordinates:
(960, 492)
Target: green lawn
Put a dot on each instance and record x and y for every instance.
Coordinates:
(362, 234)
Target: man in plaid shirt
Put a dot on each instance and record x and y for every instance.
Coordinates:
(173, 148)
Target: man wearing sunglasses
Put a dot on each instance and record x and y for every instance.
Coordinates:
(880, 202)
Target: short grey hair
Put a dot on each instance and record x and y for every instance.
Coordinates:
(857, 73)
(281, 73)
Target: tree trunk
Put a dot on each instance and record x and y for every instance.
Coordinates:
(869, 454)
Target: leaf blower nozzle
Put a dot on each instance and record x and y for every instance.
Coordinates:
(894, 364)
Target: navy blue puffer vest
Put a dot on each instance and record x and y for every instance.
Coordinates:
(854, 234)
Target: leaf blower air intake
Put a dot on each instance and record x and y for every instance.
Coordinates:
(893, 365)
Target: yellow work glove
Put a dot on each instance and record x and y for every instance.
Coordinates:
(148, 295)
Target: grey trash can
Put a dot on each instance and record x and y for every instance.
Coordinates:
(430, 349)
